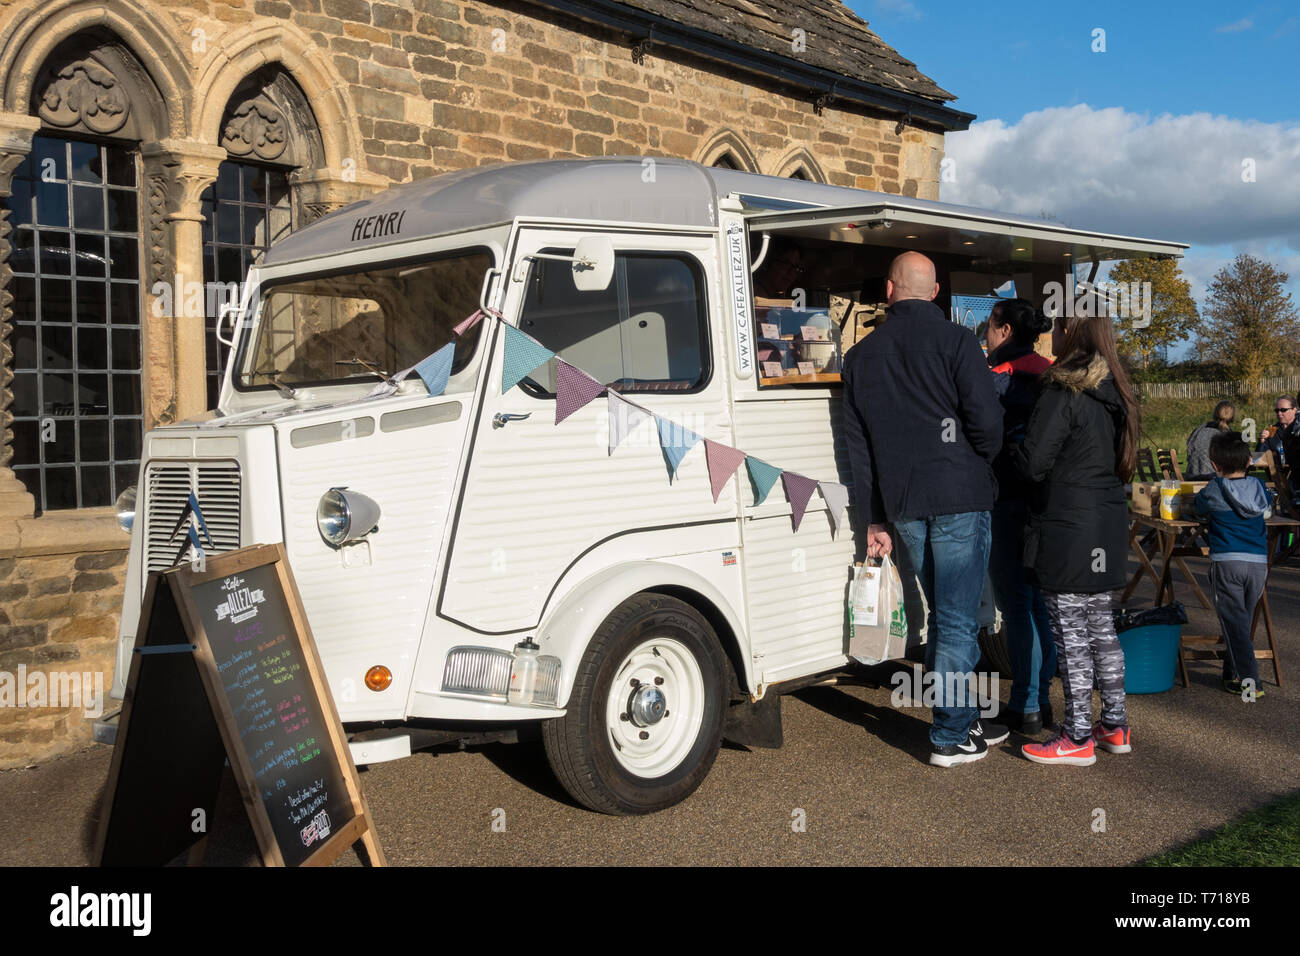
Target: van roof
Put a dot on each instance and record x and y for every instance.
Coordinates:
(625, 189)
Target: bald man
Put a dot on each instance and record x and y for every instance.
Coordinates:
(923, 425)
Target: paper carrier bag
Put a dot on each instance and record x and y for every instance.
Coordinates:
(876, 613)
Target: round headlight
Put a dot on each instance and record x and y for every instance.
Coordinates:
(125, 506)
(333, 517)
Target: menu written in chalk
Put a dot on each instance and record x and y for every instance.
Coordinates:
(280, 719)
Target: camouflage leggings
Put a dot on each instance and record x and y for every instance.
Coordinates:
(1086, 645)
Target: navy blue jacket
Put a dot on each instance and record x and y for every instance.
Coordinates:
(1237, 509)
(921, 419)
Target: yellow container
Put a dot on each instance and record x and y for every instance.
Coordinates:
(1171, 500)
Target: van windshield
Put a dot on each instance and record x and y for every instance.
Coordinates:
(335, 328)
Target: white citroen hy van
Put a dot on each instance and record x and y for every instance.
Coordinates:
(442, 542)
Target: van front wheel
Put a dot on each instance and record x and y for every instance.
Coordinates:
(644, 719)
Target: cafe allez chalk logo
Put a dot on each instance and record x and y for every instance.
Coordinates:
(241, 602)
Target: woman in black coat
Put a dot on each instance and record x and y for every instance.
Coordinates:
(1081, 445)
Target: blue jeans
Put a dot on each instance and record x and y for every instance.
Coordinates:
(1029, 629)
(949, 555)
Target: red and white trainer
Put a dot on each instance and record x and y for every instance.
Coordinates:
(1112, 741)
(1061, 749)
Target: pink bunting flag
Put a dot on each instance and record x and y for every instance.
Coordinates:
(574, 388)
(468, 322)
(723, 461)
(800, 491)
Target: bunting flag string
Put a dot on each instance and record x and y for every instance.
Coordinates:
(623, 417)
(763, 476)
(800, 491)
(523, 354)
(723, 460)
(675, 441)
(436, 369)
(836, 497)
(468, 322)
(574, 388)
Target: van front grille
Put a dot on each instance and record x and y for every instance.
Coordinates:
(167, 489)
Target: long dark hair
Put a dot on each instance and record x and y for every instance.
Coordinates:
(1027, 323)
(1089, 336)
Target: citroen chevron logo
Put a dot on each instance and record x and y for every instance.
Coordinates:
(192, 519)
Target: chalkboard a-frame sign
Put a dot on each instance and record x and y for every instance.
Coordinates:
(225, 667)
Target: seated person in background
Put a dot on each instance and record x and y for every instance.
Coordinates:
(1273, 439)
(1237, 506)
(1198, 442)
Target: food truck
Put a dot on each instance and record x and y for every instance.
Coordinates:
(537, 526)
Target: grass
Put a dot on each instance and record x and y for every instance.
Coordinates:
(1166, 422)
(1269, 836)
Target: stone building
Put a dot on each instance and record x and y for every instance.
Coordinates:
(151, 149)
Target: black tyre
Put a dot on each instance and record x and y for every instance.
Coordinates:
(644, 720)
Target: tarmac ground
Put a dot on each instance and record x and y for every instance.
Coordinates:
(851, 786)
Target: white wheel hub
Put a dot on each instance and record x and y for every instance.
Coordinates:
(655, 707)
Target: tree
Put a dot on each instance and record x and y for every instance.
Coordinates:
(1252, 325)
(1172, 310)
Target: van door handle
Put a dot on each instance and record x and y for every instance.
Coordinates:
(500, 418)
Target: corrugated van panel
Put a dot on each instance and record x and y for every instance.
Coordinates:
(796, 583)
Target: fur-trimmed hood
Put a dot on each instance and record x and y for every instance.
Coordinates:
(1079, 379)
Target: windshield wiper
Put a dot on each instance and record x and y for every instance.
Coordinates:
(286, 391)
(373, 369)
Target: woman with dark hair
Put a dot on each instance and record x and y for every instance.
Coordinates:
(1198, 442)
(1013, 328)
(1081, 444)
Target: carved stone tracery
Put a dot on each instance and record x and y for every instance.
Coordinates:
(83, 94)
(256, 128)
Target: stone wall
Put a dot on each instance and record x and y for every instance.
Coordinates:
(58, 616)
(438, 85)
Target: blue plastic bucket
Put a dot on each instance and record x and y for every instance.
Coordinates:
(1150, 657)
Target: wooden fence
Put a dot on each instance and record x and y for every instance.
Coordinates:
(1276, 385)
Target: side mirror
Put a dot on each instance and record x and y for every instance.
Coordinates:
(593, 263)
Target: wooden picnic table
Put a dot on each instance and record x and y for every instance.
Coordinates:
(1171, 551)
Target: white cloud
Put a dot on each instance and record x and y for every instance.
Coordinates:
(1169, 177)
(1175, 178)
(1245, 23)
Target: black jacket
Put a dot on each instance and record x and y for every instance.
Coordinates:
(921, 420)
(1077, 539)
(1016, 369)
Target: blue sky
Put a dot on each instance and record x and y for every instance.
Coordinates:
(1151, 137)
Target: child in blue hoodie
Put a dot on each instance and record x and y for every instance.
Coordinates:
(1237, 507)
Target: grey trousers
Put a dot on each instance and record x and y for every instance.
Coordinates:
(1086, 647)
(1237, 588)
